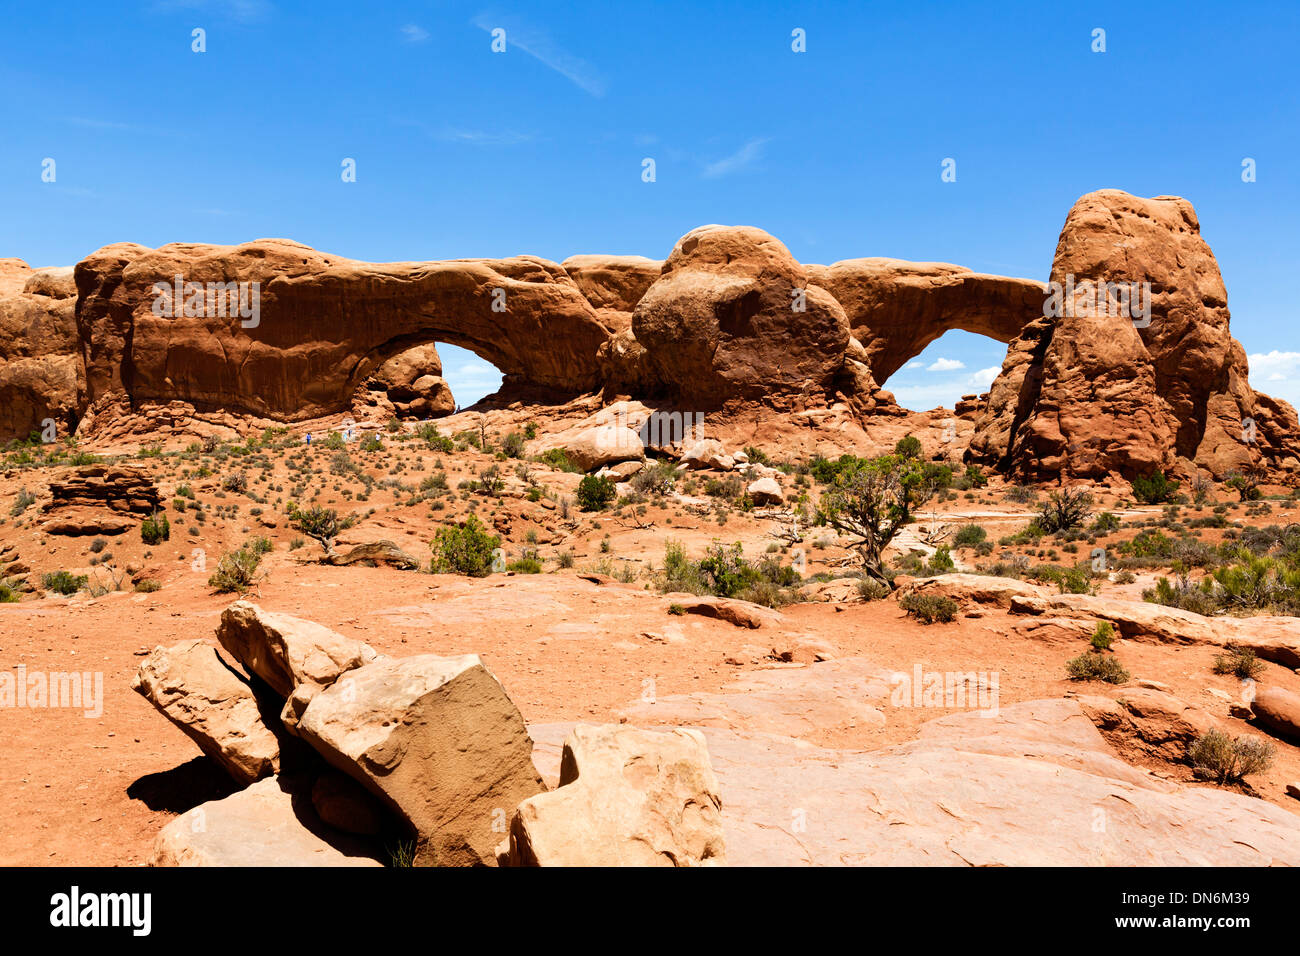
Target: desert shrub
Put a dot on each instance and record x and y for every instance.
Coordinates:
(1149, 544)
(1154, 489)
(98, 545)
(559, 460)
(490, 481)
(513, 445)
(147, 585)
(870, 500)
(1104, 523)
(1022, 494)
(528, 564)
(725, 570)
(155, 529)
(429, 434)
(1227, 760)
(22, 501)
(468, 549)
(595, 493)
(940, 562)
(1103, 635)
(909, 447)
(8, 593)
(1072, 580)
(371, 442)
(565, 559)
(869, 589)
(1246, 485)
(321, 524)
(1063, 510)
(656, 479)
(1183, 594)
(236, 571)
(1238, 661)
(929, 608)
(63, 582)
(1096, 666)
(235, 481)
(756, 455)
(968, 536)
(975, 477)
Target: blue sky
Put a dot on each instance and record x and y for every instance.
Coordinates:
(464, 152)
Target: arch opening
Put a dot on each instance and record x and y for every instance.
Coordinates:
(423, 378)
(952, 369)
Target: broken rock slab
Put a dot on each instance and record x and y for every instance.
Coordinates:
(438, 741)
(627, 797)
(267, 824)
(194, 689)
(287, 651)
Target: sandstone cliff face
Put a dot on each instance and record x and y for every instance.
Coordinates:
(1133, 379)
(41, 374)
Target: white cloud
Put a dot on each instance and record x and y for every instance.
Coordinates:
(945, 365)
(414, 34)
(915, 365)
(543, 49)
(737, 160)
(1279, 371)
(985, 376)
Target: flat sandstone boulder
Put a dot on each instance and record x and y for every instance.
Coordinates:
(439, 741)
(266, 824)
(198, 693)
(286, 651)
(627, 797)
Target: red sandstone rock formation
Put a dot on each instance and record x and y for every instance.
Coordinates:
(729, 321)
(1090, 392)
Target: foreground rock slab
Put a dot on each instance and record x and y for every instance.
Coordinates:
(439, 741)
(1033, 783)
(194, 689)
(286, 651)
(627, 797)
(267, 824)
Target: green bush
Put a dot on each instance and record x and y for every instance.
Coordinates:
(64, 582)
(1104, 523)
(155, 529)
(968, 536)
(525, 565)
(928, 608)
(1238, 661)
(1103, 635)
(558, 459)
(428, 433)
(320, 524)
(909, 447)
(1095, 666)
(1064, 509)
(8, 594)
(236, 571)
(1226, 760)
(1154, 489)
(147, 585)
(975, 477)
(468, 549)
(595, 493)
(513, 445)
